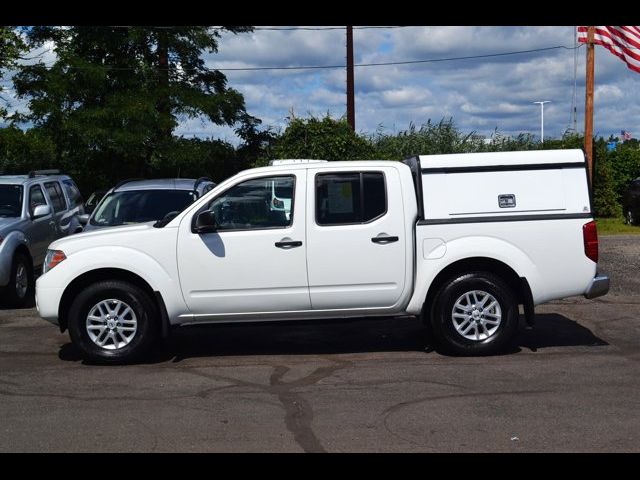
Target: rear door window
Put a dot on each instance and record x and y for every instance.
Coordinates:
(350, 198)
(55, 194)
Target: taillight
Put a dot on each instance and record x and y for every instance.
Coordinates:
(590, 236)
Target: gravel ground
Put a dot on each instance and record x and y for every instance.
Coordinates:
(620, 259)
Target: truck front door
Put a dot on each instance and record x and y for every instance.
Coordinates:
(356, 238)
(255, 261)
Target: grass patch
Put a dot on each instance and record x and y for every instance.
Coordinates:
(615, 226)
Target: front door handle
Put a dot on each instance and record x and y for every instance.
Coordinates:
(289, 244)
(384, 239)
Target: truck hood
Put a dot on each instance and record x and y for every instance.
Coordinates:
(127, 235)
(7, 224)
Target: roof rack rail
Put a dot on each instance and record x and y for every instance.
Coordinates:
(198, 182)
(53, 171)
(122, 182)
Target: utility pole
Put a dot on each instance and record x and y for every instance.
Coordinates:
(542, 119)
(351, 109)
(588, 104)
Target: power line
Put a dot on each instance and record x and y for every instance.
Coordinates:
(315, 29)
(376, 64)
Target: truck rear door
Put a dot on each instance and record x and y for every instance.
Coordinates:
(356, 254)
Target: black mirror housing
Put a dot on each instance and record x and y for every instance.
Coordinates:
(205, 222)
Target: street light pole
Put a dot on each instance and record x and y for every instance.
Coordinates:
(542, 119)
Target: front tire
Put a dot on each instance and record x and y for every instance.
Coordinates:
(113, 322)
(474, 314)
(21, 281)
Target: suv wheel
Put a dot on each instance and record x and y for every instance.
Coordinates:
(20, 286)
(475, 314)
(113, 322)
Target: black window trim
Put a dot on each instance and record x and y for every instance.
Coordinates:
(351, 172)
(61, 194)
(271, 175)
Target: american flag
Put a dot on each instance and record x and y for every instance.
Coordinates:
(626, 135)
(623, 41)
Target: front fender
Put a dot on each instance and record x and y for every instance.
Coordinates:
(7, 249)
(468, 247)
(163, 279)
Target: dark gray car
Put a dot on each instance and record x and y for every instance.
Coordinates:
(35, 210)
(631, 202)
(140, 201)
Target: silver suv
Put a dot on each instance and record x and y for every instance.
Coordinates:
(139, 201)
(35, 210)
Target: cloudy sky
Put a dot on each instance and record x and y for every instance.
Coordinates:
(480, 94)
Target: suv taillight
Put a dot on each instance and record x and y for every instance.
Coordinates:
(590, 235)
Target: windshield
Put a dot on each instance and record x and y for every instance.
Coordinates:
(124, 208)
(10, 200)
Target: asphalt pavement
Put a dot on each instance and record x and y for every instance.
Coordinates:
(367, 385)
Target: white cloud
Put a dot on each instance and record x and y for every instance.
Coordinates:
(480, 94)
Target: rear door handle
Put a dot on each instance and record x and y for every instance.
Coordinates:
(385, 239)
(289, 244)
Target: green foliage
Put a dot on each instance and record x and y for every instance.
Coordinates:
(21, 151)
(110, 102)
(605, 199)
(11, 47)
(315, 138)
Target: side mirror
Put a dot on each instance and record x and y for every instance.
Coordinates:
(41, 211)
(84, 218)
(205, 222)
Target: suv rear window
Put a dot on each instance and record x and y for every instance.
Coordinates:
(55, 194)
(348, 198)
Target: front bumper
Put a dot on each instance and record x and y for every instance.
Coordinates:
(48, 301)
(598, 287)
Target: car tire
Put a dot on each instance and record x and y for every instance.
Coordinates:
(113, 322)
(474, 313)
(21, 282)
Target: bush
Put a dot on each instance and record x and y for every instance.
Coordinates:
(323, 139)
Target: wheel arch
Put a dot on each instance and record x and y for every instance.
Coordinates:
(99, 274)
(520, 285)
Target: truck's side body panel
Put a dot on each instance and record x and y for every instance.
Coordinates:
(548, 253)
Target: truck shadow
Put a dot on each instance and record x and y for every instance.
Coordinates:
(339, 336)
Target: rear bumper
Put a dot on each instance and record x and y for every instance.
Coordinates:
(598, 287)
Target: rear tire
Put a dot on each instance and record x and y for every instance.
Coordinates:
(474, 313)
(113, 322)
(21, 282)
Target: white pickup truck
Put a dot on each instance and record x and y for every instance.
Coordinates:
(459, 239)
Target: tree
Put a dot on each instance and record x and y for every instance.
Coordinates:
(114, 95)
(11, 47)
